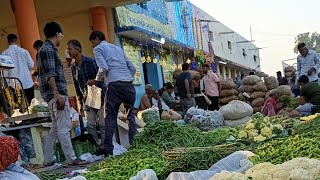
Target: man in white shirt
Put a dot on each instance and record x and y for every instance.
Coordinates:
(308, 63)
(23, 65)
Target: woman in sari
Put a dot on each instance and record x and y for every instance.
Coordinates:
(271, 107)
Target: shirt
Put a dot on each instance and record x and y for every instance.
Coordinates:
(23, 64)
(168, 99)
(282, 81)
(304, 64)
(81, 75)
(145, 102)
(211, 84)
(113, 63)
(165, 107)
(50, 65)
(311, 93)
(181, 85)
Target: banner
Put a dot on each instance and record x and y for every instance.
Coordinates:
(133, 55)
(128, 18)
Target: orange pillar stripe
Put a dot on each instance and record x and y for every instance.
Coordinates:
(99, 21)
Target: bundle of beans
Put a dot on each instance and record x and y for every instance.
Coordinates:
(228, 91)
(288, 71)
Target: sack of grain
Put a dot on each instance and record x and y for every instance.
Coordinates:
(246, 88)
(294, 114)
(289, 69)
(267, 94)
(251, 80)
(226, 100)
(271, 82)
(258, 94)
(257, 102)
(228, 92)
(284, 90)
(257, 109)
(288, 74)
(238, 122)
(236, 110)
(260, 86)
(227, 84)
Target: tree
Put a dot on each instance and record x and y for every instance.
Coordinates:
(312, 41)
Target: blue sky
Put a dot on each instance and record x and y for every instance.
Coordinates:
(275, 23)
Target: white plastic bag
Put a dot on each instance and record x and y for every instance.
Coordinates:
(233, 123)
(236, 110)
(94, 97)
(193, 112)
(147, 174)
(209, 120)
(15, 171)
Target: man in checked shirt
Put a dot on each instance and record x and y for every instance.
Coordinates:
(83, 70)
(53, 88)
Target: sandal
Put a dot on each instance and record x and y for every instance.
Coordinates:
(78, 162)
(48, 164)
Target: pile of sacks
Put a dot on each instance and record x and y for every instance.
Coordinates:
(236, 113)
(271, 83)
(228, 91)
(288, 72)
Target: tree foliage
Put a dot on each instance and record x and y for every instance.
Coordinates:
(312, 41)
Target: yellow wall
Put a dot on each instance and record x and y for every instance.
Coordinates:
(76, 26)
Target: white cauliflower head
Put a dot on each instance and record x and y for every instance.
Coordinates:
(259, 138)
(226, 175)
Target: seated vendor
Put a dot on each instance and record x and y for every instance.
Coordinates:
(146, 98)
(271, 107)
(309, 95)
(168, 98)
(165, 112)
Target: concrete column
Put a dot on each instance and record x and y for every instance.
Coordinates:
(99, 21)
(218, 69)
(27, 24)
(224, 72)
(235, 73)
(229, 72)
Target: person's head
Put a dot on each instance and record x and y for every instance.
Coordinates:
(274, 94)
(303, 80)
(303, 50)
(279, 74)
(205, 68)
(251, 73)
(185, 67)
(96, 37)
(170, 89)
(37, 45)
(53, 32)
(149, 89)
(74, 48)
(12, 39)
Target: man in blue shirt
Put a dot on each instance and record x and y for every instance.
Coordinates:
(83, 70)
(119, 72)
(308, 63)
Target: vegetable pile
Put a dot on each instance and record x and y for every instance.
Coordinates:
(49, 175)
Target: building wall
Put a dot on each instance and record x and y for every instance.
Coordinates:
(220, 41)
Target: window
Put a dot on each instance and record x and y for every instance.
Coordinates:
(244, 52)
(143, 5)
(229, 45)
(255, 57)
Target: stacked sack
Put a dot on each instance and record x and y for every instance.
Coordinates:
(283, 91)
(236, 113)
(271, 83)
(288, 71)
(228, 91)
(247, 86)
(258, 96)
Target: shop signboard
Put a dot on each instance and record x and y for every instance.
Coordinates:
(168, 70)
(128, 18)
(133, 55)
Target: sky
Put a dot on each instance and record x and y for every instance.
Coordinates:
(274, 23)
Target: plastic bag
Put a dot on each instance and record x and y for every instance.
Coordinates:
(147, 174)
(236, 110)
(193, 111)
(235, 162)
(118, 149)
(14, 171)
(208, 121)
(150, 115)
(91, 158)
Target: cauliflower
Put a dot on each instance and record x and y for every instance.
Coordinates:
(242, 135)
(253, 133)
(277, 129)
(249, 126)
(225, 175)
(259, 138)
(267, 132)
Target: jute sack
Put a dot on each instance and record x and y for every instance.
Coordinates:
(284, 90)
(257, 109)
(228, 92)
(227, 84)
(236, 110)
(289, 69)
(271, 82)
(251, 80)
(246, 88)
(258, 94)
(267, 94)
(260, 86)
(238, 122)
(257, 102)
(226, 100)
